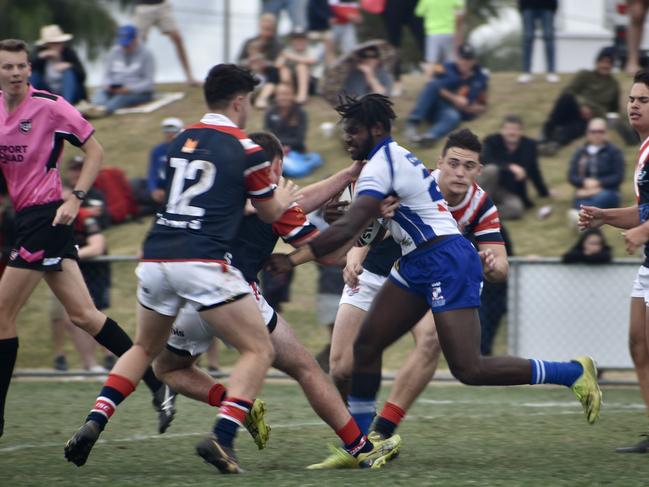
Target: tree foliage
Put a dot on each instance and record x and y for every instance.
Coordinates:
(88, 20)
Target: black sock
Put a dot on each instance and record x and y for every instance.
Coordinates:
(8, 353)
(115, 339)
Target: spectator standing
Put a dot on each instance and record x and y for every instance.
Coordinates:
(511, 160)
(259, 54)
(158, 12)
(597, 169)
(444, 27)
(591, 248)
(534, 12)
(128, 74)
(346, 14)
(459, 92)
(396, 15)
(56, 67)
(590, 94)
(637, 10)
(296, 9)
(368, 74)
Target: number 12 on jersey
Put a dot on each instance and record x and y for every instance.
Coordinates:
(180, 197)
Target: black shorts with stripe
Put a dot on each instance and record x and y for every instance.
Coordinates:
(39, 245)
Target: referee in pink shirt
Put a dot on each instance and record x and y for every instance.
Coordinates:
(33, 127)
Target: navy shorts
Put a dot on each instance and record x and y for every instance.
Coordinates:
(40, 246)
(448, 274)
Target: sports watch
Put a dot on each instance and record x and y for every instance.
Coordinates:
(79, 194)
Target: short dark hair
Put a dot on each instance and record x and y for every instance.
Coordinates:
(269, 142)
(226, 81)
(13, 45)
(513, 118)
(367, 110)
(463, 139)
(642, 76)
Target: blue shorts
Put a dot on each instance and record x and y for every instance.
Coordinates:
(447, 274)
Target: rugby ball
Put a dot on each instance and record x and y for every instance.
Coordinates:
(373, 229)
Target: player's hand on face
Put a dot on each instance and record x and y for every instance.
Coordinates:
(488, 260)
(287, 193)
(334, 209)
(635, 238)
(351, 273)
(389, 206)
(67, 212)
(590, 217)
(278, 264)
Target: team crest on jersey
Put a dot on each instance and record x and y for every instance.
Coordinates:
(25, 126)
(190, 146)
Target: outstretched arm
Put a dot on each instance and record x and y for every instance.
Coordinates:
(317, 194)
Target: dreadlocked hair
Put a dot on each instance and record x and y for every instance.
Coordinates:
(367, 110)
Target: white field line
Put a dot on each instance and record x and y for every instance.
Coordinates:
(575, 410)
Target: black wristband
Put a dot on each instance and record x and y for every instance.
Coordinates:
(79, 194)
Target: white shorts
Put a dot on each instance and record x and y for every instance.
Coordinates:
(146, 16)
(165, 287)
(363, 295)
(641, 285)
(192, 334)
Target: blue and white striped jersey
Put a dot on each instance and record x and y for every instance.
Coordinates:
(423, 214)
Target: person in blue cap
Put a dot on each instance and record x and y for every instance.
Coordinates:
(128, 74)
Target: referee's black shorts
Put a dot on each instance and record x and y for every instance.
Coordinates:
(40, 246)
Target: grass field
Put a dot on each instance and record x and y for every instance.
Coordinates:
(454, 436)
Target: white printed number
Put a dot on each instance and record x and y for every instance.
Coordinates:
(179, 200)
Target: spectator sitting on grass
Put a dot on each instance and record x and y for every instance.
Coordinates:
(368, 74)
(289, 122)
(590, 94)
(128, 75)
(56, 67)
(259, 54)
(597, 169)
(458, 92)
(591, 248)
(511, 161)
(300, 65)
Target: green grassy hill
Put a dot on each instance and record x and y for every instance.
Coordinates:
(128, 139)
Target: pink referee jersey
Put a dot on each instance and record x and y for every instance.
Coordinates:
(31, 142)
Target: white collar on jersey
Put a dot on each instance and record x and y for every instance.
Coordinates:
(217, 119)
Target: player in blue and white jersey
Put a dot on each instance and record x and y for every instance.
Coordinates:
(477, 217)
(440, 270)
(213, 167)
(635, 220)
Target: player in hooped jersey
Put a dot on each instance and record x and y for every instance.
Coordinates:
(439, 270)
(477, 217)
(255, 241)
(213, 167)
(635, 221)
(33, 128)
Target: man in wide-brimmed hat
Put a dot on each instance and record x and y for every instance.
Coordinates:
(56, 66)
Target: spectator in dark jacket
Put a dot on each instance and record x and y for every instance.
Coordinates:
(590, 248)
(287, 120)
(590, 94)
(597, 169)
(56, 67)
(511, 161)
(458, 92)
